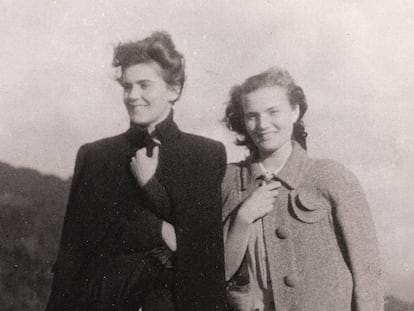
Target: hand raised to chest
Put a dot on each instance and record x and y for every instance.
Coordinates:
(260, 202)
(144, 165)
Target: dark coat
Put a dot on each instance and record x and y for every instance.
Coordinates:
(110, 219)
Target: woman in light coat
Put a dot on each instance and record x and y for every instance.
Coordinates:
(298, 231)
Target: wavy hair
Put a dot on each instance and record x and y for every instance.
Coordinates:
(275, 76)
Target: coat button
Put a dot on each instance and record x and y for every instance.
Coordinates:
(282, 233)
(291, 280)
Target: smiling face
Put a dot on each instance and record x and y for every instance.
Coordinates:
(269, 118)
(147, 97)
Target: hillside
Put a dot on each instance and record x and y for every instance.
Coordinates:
(31, 212)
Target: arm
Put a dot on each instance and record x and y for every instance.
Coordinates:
(162, 207)
(236, 239)
(158, 195)
(143, 167)
(356, 226)
(238, 225)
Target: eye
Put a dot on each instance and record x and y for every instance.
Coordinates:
(250, 116)
(145, 85)
(273, 112)
(126, 86)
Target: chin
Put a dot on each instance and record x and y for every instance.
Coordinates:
(139, 121)
(270, 147)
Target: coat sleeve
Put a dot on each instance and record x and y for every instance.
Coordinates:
(356, 227)
(158, 195)
(229, 189)
(232, 200)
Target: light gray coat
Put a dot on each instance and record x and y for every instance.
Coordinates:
(320, 238)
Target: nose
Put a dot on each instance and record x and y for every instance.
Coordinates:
(134, 93)
(263, 122)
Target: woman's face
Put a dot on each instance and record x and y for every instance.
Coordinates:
(269, 118)
(146, 95)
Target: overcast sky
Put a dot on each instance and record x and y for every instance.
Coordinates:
(354, 60)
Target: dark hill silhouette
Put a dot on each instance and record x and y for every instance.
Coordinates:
(32, 207)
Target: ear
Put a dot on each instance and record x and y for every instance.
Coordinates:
(173, 92)
(296, 112)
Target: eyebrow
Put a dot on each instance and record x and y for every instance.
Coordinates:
(266, 110)
(122, 82)
(272, 108)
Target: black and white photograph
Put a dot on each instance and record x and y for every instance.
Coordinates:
(206, 155)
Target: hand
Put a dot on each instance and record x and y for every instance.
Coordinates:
(143, 167)
(259, 203)
(168, 235)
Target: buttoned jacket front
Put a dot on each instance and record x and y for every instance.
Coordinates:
(319, 238)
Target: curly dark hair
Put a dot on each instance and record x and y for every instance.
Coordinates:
(275, 76)
(158, 48)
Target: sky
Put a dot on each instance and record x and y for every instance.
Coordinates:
(354, 60)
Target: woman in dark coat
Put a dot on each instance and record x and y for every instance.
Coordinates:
(298, 231)
(143, 220)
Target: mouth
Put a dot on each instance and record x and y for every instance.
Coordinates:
(265, 135)
(132, 103)
(137, 106)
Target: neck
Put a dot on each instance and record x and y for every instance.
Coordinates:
(276, 159)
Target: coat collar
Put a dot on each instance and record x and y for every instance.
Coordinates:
(166, 132)
(290, 175)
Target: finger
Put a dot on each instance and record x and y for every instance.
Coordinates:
(266, 189)
(141, 152)
(155, 151)
(132, 167)
(264, 211)
(274, 184)
(133, 161)
(274, 191)
(272, 194)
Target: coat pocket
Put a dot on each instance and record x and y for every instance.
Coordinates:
(308, 206)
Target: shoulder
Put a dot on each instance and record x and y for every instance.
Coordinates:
(202, 150)
(332, 176)
(103, 145)
(233, 171)
(231, 187)
(232, 177)
(201, 143)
